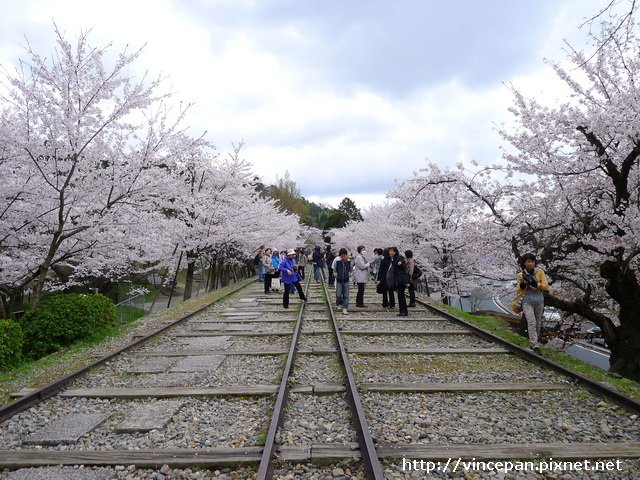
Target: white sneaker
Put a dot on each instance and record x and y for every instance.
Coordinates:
(344, 311)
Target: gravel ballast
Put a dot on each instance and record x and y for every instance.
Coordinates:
(448, 368)
(496, 417)
(313, 419)
(217, 422)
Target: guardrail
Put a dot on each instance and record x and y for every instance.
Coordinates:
(130, 308)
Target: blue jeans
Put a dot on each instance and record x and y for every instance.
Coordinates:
(260, 272)
(316, 272)
(342, 293)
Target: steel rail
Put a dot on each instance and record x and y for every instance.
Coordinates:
(368, 451)
(530, 356)
(33, 398)
(266, 468)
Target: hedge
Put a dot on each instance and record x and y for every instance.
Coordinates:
(63, 319)
(11, 343)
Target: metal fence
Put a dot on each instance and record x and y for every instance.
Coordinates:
(131, 308)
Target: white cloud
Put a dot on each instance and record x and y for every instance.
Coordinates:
(336, 138)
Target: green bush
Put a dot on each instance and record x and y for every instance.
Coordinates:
(11, 342)
(60, 320)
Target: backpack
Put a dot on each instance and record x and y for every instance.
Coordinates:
(417, 273)
(256, 261)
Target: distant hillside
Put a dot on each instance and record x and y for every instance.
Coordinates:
(287, 195)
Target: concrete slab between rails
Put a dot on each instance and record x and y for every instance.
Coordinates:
(319, 388)
(426, 351)
(140, 458)
(217, 342)
(152, 365)
(164, 380)
(246, 312)
(218, 321)
(164, 392)
(149, 416)
(320, 453)
(209, 327)
(193, 353)
(316, 351)
(23, 392)
(353, 317)
(565, 451)
(203, 334)
(239, 314)
(66, 430)
(316, 331)
(61, 473)
(200, 363)
(223, 327)
(461, 387)
(406, 332)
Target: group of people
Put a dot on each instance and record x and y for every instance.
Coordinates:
(392, 273)
(288, 266)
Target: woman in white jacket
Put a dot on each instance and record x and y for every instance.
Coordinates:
(361, 275)
(267, 264)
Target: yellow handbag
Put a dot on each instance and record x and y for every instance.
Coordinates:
(516, 303)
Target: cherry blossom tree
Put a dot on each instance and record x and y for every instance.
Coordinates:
(84, 146)
(449, 231)
(220, 215)
(583, 208)
(379, 228)
(569, 192)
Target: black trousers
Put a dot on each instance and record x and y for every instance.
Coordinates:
(412, 294)
(402, 300)
(267, 282)
(388, 300)
(332, 278)
(301, 272)
(360, 294)
(287, 290)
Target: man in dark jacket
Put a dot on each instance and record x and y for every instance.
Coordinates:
(388, 300)
(318, 263)
(398, 279)
(330, 258)
(342, 269)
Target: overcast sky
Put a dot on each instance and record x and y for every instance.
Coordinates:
(348, 96)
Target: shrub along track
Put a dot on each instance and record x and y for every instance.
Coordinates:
(366, 393)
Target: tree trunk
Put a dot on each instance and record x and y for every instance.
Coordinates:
(210, 276)
(188, 284)
(39, 283)
(622, 286)
(4, 311)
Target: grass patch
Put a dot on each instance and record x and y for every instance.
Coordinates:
(41, 372)
(424, 364)
(500, 327)
(261, 440)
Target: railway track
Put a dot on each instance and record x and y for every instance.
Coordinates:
(246, 389)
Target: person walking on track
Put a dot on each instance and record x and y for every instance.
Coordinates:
(269, 270)
(318, 263)
(342, 271)
(289, 276)
(532, 282)
(388, 299)
(398, 278)
(411, 267)
(361, 274)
